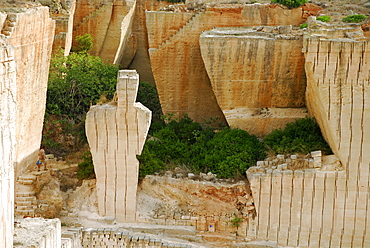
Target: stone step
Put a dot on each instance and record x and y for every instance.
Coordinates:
(26, 198)
(24, 194)
(23, 203)
(26, 182)
(29, 212)
(27, 177)
(22, 207)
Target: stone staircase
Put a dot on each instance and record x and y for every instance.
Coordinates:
(9, 25)
(92, 14)
(187, 24)
(25, 201)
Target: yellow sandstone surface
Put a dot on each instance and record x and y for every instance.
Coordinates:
(257, 76)
(180, 75)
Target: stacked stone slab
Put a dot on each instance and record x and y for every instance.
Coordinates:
(264, 89)
(8, 105)
(108, 237)
(314, 207)
(116, 133)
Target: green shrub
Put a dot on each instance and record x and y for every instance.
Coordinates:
(301, 136)
(290, 3)
(231, 152)
(84, 43)
(324, 18)
(304, 25)
(86, 168)
(183, 142)
(354, 18)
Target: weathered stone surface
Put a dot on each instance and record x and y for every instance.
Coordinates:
(258, 78)
(138, 58)
(326, 206)
(116, 133)
(179, 72)
(38, 232)
(8, 105)
(31, 34)
(64, 26)
(109, 23)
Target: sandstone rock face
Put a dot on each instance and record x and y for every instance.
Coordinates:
(8, 105)
(257, 76)
(137, 57)
(64, 26)
(38, 232)
(31, 33)
(181, 78)
(198, 203)
(319, 208)
(108, 22)
(116, 133)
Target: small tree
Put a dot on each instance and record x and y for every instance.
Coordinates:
(290, 3)
(84, 43)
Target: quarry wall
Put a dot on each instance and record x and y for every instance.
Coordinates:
(116, 133)
(137, 57)
(64, 26)
(31, 34)
(264, 89)
(324, 207)
(8, 106)
(181, 78)
(108, 22)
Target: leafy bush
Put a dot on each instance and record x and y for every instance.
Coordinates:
(183, 142)
(324, 18)
(86, 168)
(304, 25)
(354, 18)
(84, 44)
(301, 136)
(76, 82)
(290, 3)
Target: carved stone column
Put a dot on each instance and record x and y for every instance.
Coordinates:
(116, 133)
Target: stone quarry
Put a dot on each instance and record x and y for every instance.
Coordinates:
(247, 64)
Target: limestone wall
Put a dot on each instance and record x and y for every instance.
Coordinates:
(8, 95)
(257, 76)
(109, 23)
(116, 133)
(181, 78)
(31, 33)
(137, 57)
(64, 27)
(315, 207)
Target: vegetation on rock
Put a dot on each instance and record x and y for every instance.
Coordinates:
(354, 18)
(301, 136)
(324, 18)
(290, 3)
(227, 152)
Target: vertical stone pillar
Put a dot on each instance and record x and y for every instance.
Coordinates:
(116, 133)
(7, 142)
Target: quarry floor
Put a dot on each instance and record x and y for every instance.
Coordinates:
(74, 203)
